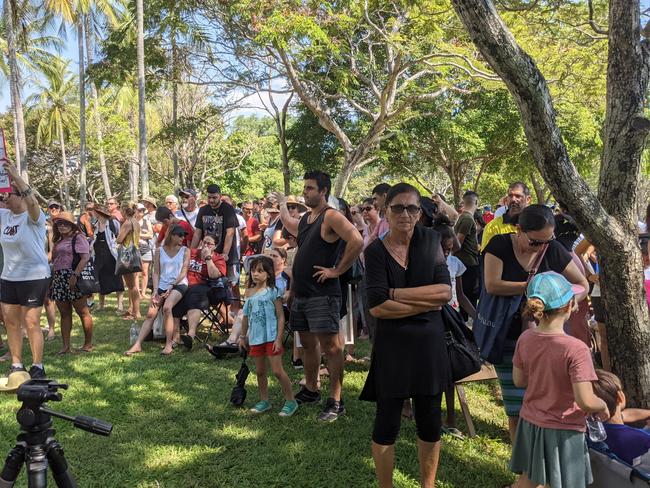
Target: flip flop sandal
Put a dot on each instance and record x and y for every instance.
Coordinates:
(129, 354)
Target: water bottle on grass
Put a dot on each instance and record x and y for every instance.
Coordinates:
(133, 333)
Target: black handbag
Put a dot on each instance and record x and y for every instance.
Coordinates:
(88, 282)
(464, 359)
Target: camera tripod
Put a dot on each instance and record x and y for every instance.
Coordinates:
(36, 446)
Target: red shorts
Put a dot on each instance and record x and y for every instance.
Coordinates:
(265, 349)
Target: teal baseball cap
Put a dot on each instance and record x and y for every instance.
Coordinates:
(553, 289)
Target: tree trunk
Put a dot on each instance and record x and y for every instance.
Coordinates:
(175, 80)
(64, 165)
(14, 88)
(142, 122)
(96, 115)
(540, 189)
(607, 220)
(134, 167)
(82, 112)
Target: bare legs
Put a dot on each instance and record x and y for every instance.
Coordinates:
(428, 457)
(278, 372)
(65, 309)
(134, 296)
(50, 313)
(16, 316)
(168, 320)
(384, 457)
(144, 279)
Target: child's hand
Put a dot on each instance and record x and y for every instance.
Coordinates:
(242, 342)
(277, 346)
(603, 415)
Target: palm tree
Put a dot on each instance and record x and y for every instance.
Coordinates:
(99, 10)
(142, 122)
(75, 12)
(53, 105)
(23, 46)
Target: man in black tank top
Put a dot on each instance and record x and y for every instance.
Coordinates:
(315, 311)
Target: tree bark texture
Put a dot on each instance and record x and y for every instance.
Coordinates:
(82, 112)
(142, 121)
(20, 140)
(64, 167)
(175, 81)
(96, 115)
(607, 219)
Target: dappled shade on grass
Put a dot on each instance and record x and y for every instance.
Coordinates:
(174, 427)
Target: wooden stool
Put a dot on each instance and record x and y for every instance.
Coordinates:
(487, 373)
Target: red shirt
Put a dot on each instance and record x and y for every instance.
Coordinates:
(189, 233)
(488, 217)
(197, 272)
(252, 229)
(552, 362)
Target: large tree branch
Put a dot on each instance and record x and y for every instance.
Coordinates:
(596, 28)
(529, 88)
(324, 118)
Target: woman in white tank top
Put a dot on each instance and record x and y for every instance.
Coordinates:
(170, 284)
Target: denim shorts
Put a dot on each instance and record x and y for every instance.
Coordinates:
(320, 315)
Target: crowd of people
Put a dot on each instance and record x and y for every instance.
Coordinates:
(523, 278)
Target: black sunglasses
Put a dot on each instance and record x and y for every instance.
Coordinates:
(292, 207)
(399, 209)
(369, 208)
(537, 242)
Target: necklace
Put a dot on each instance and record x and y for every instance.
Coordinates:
(311, 219)
(401, 258)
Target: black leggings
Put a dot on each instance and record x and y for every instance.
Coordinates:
(427, 414)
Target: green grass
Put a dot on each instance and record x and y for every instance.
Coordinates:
(174, 427)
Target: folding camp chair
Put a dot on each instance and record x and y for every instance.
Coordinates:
(609, 471)
(220, 299)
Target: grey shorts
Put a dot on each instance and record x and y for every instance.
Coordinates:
(320, 315)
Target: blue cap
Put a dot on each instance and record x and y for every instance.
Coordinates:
(553, 289)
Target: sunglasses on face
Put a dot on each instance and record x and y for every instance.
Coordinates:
(398, 209)
(292, 207)
(537, 242)
(369, 208)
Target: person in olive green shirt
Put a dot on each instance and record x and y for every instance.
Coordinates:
(465, 229)
(518, 199)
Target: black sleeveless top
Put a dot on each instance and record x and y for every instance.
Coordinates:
(314, 251)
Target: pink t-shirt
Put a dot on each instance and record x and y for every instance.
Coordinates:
(62, 254)
(552, 362)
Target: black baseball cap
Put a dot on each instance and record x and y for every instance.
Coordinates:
(178, 230)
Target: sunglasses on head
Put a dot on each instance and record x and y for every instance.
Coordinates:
(399, 209)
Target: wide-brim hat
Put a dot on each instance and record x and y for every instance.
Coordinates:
(12, 382)
(150, 200)
(67, 216)
(102, 210)
(292, 200)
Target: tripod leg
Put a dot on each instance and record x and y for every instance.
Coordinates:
(12, 466)
(59, 466)
(36, 467)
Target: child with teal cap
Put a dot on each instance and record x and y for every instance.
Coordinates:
(557, 371)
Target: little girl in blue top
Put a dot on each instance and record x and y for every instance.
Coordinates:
(261, 335)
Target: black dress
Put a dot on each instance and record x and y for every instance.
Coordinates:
(409, 357)
(109, 282)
